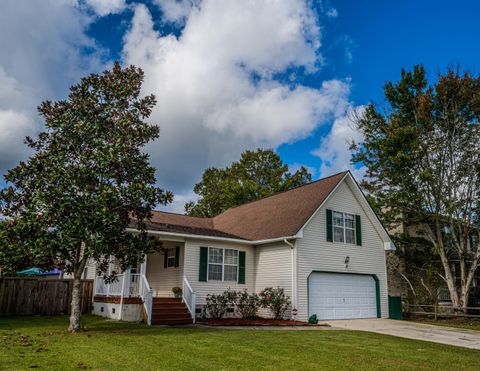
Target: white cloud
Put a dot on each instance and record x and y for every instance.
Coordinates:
(105, 7)
(176, 11)
(42, 45)
(334, 147)
(14, 126)
(332, 13)
(209, 107)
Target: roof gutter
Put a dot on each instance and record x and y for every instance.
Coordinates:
(202, 237)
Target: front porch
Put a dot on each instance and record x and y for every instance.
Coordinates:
(145, 292)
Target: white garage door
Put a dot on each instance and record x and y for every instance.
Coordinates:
(341, 296)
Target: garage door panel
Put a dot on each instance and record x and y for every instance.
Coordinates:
(342, 296)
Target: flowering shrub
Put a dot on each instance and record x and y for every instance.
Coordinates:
(275, 300)
(247, 305)
(217, 305)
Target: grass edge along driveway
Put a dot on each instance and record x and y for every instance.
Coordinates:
(43, 343)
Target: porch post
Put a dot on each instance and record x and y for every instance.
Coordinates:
(110, 268)
(143, 266)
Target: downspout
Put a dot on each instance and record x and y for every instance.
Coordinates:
(294, 275)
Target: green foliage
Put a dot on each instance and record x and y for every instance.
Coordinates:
(73, 199)
(257, 174)
(313, 319)
(275, 300)
(218, 305)
(14, 256)
(247, 305)
(422, 155)
(244, 304)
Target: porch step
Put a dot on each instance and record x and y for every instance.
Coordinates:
(168, 305)
(167, 300)
(170, 311)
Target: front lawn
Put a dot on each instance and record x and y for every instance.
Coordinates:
(42, 343)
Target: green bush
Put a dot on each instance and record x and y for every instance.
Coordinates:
(247, 305)
(275, 300)
(313, 319)
(218, 305)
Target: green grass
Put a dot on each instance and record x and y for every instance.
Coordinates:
(470, 324)
(43, 343)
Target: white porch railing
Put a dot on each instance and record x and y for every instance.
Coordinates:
(189, 297)
(146, 293)
(114, 288)
(136, 285)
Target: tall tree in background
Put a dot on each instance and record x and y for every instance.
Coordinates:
(422, 156)
(257, 174)
(74, 198)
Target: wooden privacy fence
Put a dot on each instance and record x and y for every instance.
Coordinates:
(33, 296)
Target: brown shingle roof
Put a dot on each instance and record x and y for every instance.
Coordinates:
(279, 215)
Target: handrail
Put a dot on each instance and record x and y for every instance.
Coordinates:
(189, 297)
(146, 293)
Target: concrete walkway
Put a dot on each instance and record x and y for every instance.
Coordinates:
(411, 330)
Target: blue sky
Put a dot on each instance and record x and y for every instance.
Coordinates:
(229, 75)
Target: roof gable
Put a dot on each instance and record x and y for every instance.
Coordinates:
(362, 201)
(279, 215)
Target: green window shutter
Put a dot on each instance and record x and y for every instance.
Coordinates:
(165, 259)
(241, 267)
(358, 230)
(202, 272)
(329, 226)
(177, 256)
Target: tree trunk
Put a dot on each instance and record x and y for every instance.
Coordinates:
(75, 309)
(75, 305)
(449, 278)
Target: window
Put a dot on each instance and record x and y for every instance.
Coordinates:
(343, 227)
(222, 264)
(170, 257)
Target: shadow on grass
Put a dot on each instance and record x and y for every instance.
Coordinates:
(91, 324)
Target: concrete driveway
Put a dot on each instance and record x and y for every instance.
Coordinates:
(411, 330)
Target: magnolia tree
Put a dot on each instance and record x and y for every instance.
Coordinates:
(422, 155)
(87, 180)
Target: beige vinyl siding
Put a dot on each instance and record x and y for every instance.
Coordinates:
(161, 279)
(316, 254)
(192, 259)
(273, 268)
(89, 272)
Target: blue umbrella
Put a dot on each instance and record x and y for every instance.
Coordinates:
(37, 272)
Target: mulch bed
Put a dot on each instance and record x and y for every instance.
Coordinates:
(252, 322)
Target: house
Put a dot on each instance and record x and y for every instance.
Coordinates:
(321, 242)
(414, 239)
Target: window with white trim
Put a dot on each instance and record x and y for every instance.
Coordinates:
(222, 264)
(171, 258)
(344, 227)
